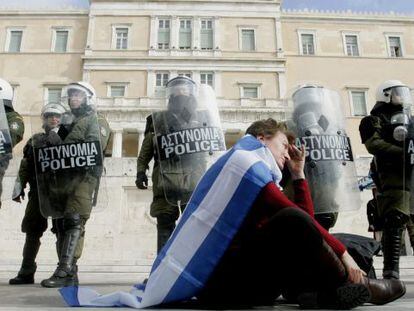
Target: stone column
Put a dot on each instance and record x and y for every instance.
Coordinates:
(217, 84)
(279, 41)
(216, 33)
(282, 84)
(117, 144)
(195, 33)
(150, 83)
(174, 31)
(153, 32)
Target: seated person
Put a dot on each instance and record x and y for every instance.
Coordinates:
(241, 242)
(276, 246)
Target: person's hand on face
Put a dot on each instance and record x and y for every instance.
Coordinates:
(296, 163)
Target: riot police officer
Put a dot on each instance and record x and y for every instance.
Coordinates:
(33, 224)
(383, 132)
(179, 161)
(10, 122)
(320, 125)
(80, 185)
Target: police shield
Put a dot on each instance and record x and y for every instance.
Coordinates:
(68, 160)
(5, 155)
(188, 138)
(404, 131)
(319, 125)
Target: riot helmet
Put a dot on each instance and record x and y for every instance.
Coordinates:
(181, 92)
(80, 97)
(395, 93)
(6, 93)
(51, 115)
(316, 109)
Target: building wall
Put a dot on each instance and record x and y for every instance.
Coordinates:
(123, 232)
(36, 66)
(233, 80)
(138, 39)
(332, 68)
(136, 81)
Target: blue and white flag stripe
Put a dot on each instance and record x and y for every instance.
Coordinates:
(211, 219)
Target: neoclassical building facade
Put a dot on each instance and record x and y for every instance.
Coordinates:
(250, 51)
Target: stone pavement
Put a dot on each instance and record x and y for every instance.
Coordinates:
(34, 297)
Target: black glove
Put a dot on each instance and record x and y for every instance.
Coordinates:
(142, 180)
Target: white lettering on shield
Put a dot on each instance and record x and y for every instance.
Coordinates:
(194, 140)
(68, 156)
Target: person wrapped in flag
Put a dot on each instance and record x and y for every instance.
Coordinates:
(242, 242)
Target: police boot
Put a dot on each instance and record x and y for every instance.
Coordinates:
(391, 245)
(165, 227)
(66, 272)
(162, 238)
(28, 268)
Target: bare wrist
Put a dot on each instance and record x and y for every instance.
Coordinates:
(298, 176)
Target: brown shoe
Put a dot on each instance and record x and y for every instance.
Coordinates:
(385, 290)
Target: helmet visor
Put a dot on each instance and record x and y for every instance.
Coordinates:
(181, 87)
(52, 114)
(74, 96)
(401, 95)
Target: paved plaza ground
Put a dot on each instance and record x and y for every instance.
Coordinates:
(34, 297)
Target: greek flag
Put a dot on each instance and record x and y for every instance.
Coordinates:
(211, 219)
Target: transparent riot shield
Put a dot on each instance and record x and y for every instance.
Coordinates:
(6, 146)
(408, 174)
(319, 125)
(68, 161)
(188, 138)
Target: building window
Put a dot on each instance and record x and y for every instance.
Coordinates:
(395, 46)
(250, 91)
(248, 40)
(117, 90)
(351, 45)
(129, 144)
(185, 74)
(121, 38)
(60, 41)
(54, 95)
(358, 103)
(185, 34)
(206, 34)
(15, 41)
(164, 34)
(307, 44)
(161, 79)
(207, 78)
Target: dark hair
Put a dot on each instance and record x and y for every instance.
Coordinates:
(266, 128)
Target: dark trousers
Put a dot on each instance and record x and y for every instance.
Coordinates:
(285, 255)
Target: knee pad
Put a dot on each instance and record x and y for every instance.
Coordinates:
(71, 221)
(395, 219)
